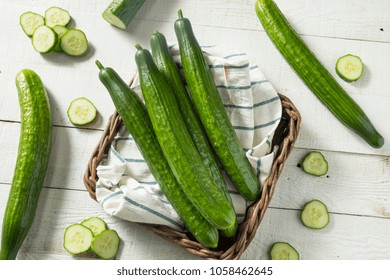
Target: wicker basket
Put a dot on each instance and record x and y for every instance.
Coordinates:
(285, 137)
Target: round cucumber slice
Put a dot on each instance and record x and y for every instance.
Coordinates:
(315, 164)
(74, 42)
(315, 215)
(60, 30)
(283, 251)
(81, 111)
(77, 239)
(44, 39)
(106, 244)
(95, 224)
(29, 21)
(349, 68)
(56, 16)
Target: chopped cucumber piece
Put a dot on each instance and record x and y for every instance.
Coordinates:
(121, 12)
(315, 164)
(106, 244)
(77, 239)
(81, 111)
(44, 39)
(95, 224)
(349, 68)
(29, 21)
(74, 42)
(283, 251)
(315, 215)
(56, 16)
(60, 30)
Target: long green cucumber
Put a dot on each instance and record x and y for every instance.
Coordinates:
(31, 164)
(164, 61)
(312, 72)
(212, 113)
(177, 145)
(120, 13)
(137, 121)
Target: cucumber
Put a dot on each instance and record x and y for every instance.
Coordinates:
(81, 111)
(56, 16)
(349, 68)
(316, 77)
(95, 224)
(136, 118)
(177, 145)
(106, 244)
(74, 42)
(283, 251)
(315, 164)
(166, 65)
(44, 39)
(29, 21)
(212, 114)
(77, 239)
(315, 215)
(121, 12)
(31, 164)
(60, 30)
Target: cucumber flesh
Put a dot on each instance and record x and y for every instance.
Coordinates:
(283, 251)
(315, 164)
(74, 42)
(29, 21)
(77, 239)
(315, 215)
(60, 30)
(106, 244)
(121, 12)
(44, 39)
(95, 224)
(81, 111)
(56, 16)
(349, 68)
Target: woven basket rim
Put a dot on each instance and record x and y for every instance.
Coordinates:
(285, 137)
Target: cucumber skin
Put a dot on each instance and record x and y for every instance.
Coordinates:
(212, 113)
(136, 118)
(314, 74)
(31, 164)
(177, 145)
(164, 61)
(125, 10)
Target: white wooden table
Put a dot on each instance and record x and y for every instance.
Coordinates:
(356, 190)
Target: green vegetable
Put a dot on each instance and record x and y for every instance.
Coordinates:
(31, 164)
(315, 164)
(106, 244)
(349, 68)
(44, 39)
(29, 21)
(314, 74)
(212, 114)
(95, 224)
(77, 239)
(315, 215)
(283, 251)
(74, 42)
(167, 66)
(81, 111)
(60, 30)
(56, 16)
(177, 145)
(137, 121)
(121, 12)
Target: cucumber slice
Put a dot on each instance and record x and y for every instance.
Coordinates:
(283, 251)
(120, 12)
(95, 224)
(81, 111)
(74, 42)
(56, 16)
(77, 239)
(29, 21)
(44, 39)
(349, 68)
(315, 164)
(315, 215)
(106, 244)
(60, 30)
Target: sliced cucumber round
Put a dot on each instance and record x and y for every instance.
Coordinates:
(81, 111)
(106, 244)
(315, 215)
(315, 164)
(44, 39)
(95, 224)
(29, 21)
(60, 30)
(74, 42)
(283, 251)
(77, 239)
(349, 68)
(56, 16)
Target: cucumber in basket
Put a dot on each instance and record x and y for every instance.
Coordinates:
(137, 121)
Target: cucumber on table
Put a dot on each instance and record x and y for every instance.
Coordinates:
(60, 30)
(106, 244)
(314, 74)
(74, 42)
(31, 164)
(44, 39)
(121, 12)
(29, 21)
(349, 68)
(95, 224)
(314, 163)
(315, 215)
(81, 111)
(56, 16)
(283, 251)
(77, 239)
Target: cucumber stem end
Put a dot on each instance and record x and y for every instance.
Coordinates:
(180, 13)
(99, 65)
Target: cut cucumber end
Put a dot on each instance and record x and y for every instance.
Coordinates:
(349, 68)
(57, 16)
(81, 111)
(29, 21)
(315, 215)
(95, 224)
(106, 244)
(114, 20)
(74, 42)
(44, 39)
(77, 239)
(315, 164)
(283, 251)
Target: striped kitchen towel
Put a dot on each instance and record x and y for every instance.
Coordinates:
(126, 188)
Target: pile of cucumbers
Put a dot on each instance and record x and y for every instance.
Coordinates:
(185, 135)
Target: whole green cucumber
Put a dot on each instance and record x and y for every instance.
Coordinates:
(212, 113)
(31, 164)
(177, 145)
(137, 121)
(316, 77)
(164, 61)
